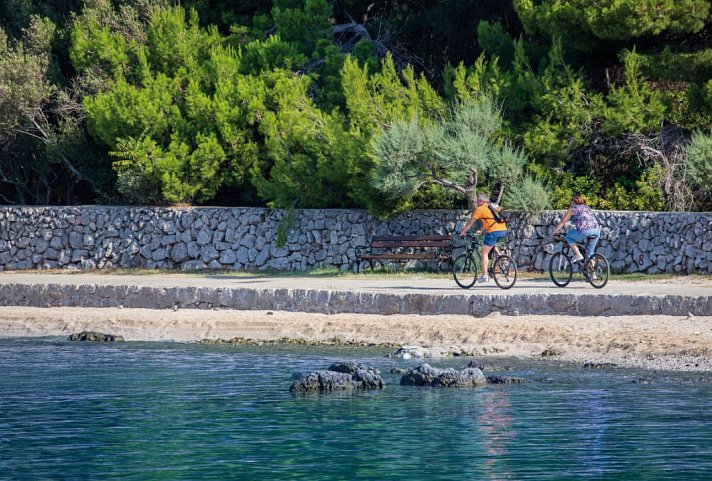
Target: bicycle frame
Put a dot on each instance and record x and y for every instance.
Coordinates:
(473, 248)
(594, 268)
(567, 251)
(501, 267)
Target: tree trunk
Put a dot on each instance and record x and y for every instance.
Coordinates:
(471, 191)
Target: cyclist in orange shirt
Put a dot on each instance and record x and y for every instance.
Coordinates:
(494, 230)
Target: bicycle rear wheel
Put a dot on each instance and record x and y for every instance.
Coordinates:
(560, 269)
(464, 271)
(504, 271)
(597, 271)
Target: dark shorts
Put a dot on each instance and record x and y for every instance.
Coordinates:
(491, 237)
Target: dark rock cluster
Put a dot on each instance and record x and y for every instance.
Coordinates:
(340, 376)
(426, 375)
(94, 336)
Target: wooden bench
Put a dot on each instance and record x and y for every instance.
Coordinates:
(404, 248)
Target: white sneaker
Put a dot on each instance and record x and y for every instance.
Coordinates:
(576, 259)
(483, 279)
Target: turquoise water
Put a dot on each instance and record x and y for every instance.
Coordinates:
(150, 411)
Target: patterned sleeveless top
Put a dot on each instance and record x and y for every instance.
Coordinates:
(582, 217)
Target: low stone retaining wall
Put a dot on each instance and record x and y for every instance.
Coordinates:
(247, 238)
(335, 301)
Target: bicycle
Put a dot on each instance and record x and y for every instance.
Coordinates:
(502, 268)
(595, 269)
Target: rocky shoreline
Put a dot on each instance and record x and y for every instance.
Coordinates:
(650, 342)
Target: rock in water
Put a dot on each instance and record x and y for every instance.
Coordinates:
(340, 376)
(350, 367)
(486, 366)
(94, 336)
(426, 375)
(505, 380)
(368, 379)
(322, 381)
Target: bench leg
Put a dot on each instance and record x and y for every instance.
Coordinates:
(444, 265)
(360, 266)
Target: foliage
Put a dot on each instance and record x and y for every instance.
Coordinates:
(642, 194)
(180, 115)
(701, 97)
(44, 154)
(567, 184)
(276, 102)
(685, 66)
(461, 152)
(699, 164)
(495, 41)
(581, 23)
(561, 109)
(307, 151)
(690, 113)
(633, 106)
(373, 101)
(305, 26)
(528, 195)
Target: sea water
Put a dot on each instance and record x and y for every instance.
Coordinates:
(169, 411)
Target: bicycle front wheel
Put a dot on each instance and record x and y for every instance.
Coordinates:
(597, 271)
(560, 270)
(504, 271)
(464, 271)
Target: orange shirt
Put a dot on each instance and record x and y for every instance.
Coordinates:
(484, 214)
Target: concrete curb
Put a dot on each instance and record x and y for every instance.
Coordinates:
(327, 301)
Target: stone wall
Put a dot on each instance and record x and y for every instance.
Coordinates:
(246, 238)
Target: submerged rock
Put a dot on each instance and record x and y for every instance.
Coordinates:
(426, 375)
(599, 365)
(486, 366)
(505, 380)
(94, 336)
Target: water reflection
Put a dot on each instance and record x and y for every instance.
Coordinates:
(496, 432)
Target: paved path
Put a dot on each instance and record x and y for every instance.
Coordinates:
(367, 294)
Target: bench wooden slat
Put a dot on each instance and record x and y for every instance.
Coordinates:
(421, 247)
(397, 238)
(382, 244)
(419, 255)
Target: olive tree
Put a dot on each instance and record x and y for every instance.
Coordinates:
(464, 151)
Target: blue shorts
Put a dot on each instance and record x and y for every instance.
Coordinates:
(491, 237)
(573, 235)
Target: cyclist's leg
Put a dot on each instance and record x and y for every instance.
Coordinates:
(571, 237)
(485, 258)
(592, 237)
(489, 243)
(591, 243)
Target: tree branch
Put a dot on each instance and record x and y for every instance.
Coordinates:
(436, 179)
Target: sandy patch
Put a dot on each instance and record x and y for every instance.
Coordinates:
(656, 342)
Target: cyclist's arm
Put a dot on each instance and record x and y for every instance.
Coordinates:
(469, 224)
(566, 218)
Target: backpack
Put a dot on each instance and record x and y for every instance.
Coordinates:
(499, 215)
